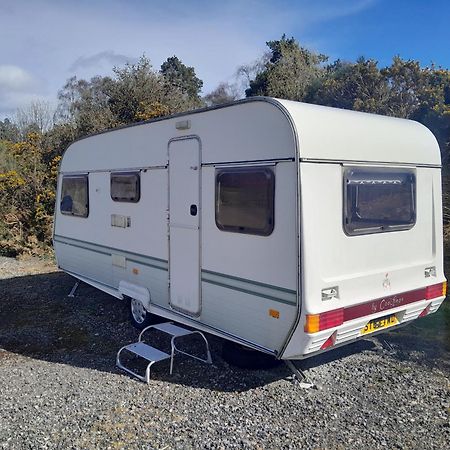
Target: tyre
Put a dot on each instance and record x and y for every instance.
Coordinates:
(247, 358)
(140, 317)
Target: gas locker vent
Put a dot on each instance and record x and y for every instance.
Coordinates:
(120, 221)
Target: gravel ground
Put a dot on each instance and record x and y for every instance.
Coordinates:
(59, 387)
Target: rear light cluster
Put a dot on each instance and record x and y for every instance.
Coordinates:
(324, 321)
(336, 317)
(436, 290)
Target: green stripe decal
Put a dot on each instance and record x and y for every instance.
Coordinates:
(274, 293)
(145, 260)
(256, 283)
(256, 288)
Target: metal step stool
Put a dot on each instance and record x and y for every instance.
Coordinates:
(154, 355)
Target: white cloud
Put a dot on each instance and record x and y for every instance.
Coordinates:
(14, 78)
(108, 57)
(314, 12)
(17, 89)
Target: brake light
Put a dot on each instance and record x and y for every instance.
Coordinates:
(436, 290)
(323, 321)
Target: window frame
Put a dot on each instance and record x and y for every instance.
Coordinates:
(375, 229)
(268, 171)
(84, 176)
(137, 174)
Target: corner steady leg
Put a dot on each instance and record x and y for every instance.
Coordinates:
(73, 290)
(299, 375)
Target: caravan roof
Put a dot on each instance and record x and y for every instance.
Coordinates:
(339, 134)
(315, 132)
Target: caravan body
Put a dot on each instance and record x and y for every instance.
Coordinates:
(286, 227)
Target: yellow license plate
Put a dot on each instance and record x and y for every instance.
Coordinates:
(379, 324)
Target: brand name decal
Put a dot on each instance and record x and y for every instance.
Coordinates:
(383, 304)
(386, 303)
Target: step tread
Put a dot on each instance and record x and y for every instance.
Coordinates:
(170, 328)
(147, 352)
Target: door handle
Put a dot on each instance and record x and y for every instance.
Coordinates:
(193, 210)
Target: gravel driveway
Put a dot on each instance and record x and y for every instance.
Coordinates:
(59, 387)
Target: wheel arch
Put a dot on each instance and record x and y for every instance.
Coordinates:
(136, 291)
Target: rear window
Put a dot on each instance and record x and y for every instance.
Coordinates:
(379, 200)
(125, 187)
(74, 195)
(245, 200)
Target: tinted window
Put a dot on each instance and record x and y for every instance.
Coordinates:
(245, 200)
(125, 187)
(378, 200)
(74, 195)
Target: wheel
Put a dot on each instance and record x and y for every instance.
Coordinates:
(140, 317)
(247, 358)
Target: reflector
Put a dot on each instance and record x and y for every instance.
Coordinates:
(329, 342)
(425, 311)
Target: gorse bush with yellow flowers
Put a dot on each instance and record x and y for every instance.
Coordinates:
(27, 195)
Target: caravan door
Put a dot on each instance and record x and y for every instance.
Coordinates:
(184, 225)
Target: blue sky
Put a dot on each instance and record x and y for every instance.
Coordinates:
(414, 29)
(44, 42)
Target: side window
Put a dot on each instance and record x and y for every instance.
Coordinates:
(75, 195)
(245, 200)
(126, 187)
(379, 200)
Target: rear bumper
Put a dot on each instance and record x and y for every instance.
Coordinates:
(303, 345)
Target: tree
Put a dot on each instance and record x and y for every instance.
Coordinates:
(434, 108)
(136, 89)
(85, 105)
(140, 93)
(38, 117)
(291, 71)
(7, 161)
(56, 140)
(224, 93)
(359, 86)
(182, 78)
(135, 92)
(406, 80)
(8, 131)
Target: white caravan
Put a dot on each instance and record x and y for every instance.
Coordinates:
(286, 227)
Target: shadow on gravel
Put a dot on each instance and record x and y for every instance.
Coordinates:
(412, 343)
(336, 354)
(38, 320)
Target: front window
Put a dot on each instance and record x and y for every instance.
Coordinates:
(379, 200)
(74, 195)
